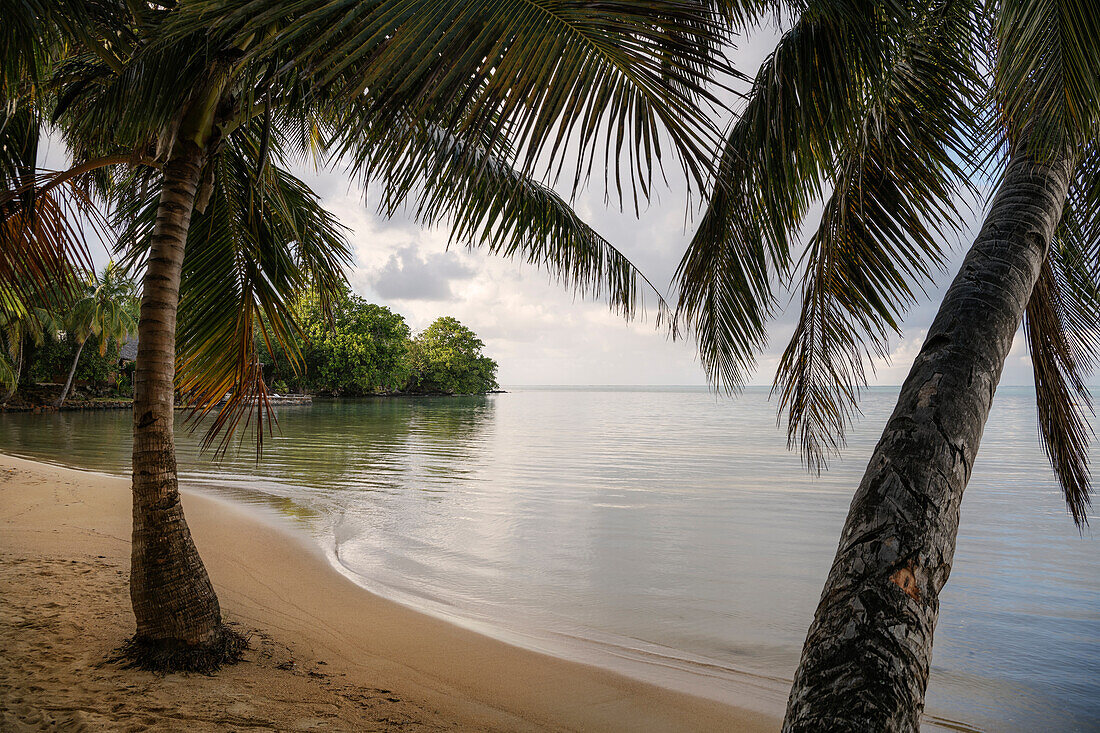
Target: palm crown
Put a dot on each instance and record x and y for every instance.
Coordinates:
(106, 309)
(888, 113)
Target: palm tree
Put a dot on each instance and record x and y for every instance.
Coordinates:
(19, 323)
(887, 110)
(105, 312)
(450, 107)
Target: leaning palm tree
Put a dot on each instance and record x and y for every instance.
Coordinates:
(887, 109)
(105, 311)
(450, 107)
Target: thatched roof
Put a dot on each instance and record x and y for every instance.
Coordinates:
(128, 350)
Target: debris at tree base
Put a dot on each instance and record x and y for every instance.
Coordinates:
(227, 648)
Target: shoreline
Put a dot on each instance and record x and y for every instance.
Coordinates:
(287, 400)
(274, 582)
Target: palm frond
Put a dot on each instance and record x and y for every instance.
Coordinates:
(1062, 325)
(554, 76)
(743, 16)
(43, 242)
(95, 109)
(249, 252)
(1047, 71)
(883, 229)
(488, 204)
(807, 98)
(31, 34)
(1063, 399)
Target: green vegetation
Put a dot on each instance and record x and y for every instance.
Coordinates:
(889, 115)
(359, 348)
(47, 343)
(51, 361)
(362, 350)
(354, 349)
(107, 310)
(21, 326)
(182, 119)
(446, 357)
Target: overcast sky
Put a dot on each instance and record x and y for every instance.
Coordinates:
(541, 334)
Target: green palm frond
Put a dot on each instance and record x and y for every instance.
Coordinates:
(13, 314)
(1063, 400)
(743, 16)
(255, 246)
(806, 99)
(95, 110)
(1047, 71)
(106, 308)
(883, 229)
(489, 204)
(31, 34)
(613, 79)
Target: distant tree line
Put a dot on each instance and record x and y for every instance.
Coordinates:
(353, 348)
(358, 348)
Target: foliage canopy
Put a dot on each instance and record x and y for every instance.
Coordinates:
(358, 348)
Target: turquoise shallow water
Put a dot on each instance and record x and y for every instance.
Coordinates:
(658, 530)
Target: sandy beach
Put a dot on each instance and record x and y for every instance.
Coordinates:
(325, 654)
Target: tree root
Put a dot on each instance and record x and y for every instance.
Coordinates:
(165, 655)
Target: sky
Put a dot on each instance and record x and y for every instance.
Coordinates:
(540, 333)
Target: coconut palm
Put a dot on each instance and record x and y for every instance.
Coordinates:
(887, 111)
(105, 311)
(20, 323)
(449, 107)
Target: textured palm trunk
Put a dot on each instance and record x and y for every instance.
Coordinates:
(178, 617)
(69, 381)
(865, 662)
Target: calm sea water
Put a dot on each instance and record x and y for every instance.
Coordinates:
(661, 531)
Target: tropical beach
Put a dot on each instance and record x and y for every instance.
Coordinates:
(795, 306)
(644, 558)
(326, 654)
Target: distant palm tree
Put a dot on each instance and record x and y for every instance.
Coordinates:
(105, 311)
(448, 106)
(20, 323)
(886, 109)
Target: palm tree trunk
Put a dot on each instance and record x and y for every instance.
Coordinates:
(865, 662)
(178, 618)
(69, 381)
